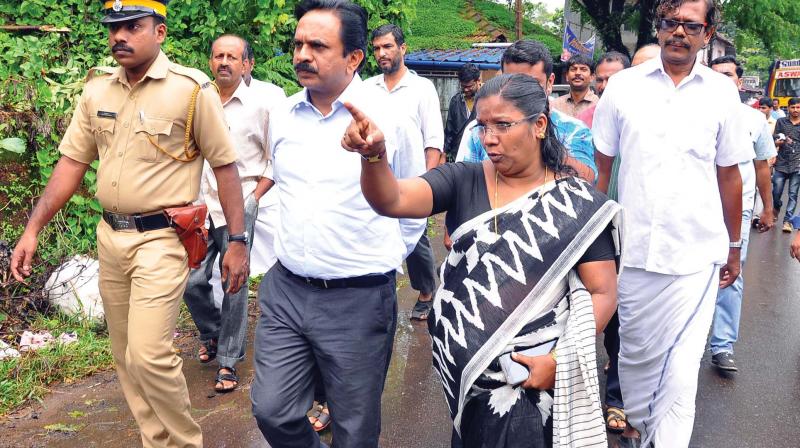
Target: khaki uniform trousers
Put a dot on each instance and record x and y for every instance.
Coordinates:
(142, 280)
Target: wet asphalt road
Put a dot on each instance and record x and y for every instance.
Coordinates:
(758, 407)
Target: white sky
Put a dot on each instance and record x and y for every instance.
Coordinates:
(553, 4)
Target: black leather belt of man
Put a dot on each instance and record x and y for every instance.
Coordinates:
(364, 281)
(137, 222)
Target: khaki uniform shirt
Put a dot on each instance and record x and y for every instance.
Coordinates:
(114, 122)
(565, 104)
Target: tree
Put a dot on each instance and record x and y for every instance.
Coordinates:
(609, 16)
(775, 23)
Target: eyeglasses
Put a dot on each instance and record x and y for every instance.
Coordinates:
(691, 28)
(499, 128)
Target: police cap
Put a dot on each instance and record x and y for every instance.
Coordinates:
(122, 10)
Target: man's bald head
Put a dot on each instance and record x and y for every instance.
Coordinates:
(646, 53)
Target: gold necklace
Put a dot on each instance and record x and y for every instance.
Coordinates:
(497, 189)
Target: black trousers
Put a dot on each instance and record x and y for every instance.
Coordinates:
(345, 335)
(421, 269)
(611, 343)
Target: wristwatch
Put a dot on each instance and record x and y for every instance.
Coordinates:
(374, 158)
(242, 238)
(735, 244)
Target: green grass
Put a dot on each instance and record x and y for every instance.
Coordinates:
(29, 376)
(500, 15)
(439, 25)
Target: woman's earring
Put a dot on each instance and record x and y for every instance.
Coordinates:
(541, 136)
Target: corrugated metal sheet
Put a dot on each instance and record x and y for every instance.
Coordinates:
(484, 58)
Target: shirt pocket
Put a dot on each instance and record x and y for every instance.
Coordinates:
(152, 139)
(700, 140)
(103, 130)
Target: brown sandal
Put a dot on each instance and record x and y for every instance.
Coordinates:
(616, 415)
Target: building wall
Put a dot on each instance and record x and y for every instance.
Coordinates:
(446, 83)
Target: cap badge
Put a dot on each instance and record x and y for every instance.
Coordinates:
(117, 7)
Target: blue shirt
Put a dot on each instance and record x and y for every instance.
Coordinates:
(571, 132)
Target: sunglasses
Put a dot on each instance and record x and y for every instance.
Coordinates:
(691, 28)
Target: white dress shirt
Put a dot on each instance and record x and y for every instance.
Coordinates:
(760, 139)
(417, 97)
(671, 138)
(271, 94)
(414, 99)
(247, 114)
(327, 229)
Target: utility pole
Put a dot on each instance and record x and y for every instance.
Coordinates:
(518, 24)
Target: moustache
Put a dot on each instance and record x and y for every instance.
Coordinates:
(677, 43)
(223, 70)
(304, 67)
(121, 47)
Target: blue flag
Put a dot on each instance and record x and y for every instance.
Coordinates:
(572, 45)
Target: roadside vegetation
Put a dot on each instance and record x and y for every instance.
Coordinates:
(30, 376)
(44, 58)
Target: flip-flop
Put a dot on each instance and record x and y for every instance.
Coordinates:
(616, 415)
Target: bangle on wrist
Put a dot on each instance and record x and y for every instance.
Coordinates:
(735, 244)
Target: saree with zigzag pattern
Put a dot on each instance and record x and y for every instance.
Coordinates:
(514, 290)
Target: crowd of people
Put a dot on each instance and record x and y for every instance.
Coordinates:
(619, 207)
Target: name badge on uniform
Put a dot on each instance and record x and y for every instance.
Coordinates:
(106, 114)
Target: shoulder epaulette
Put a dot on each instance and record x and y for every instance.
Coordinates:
(98, 71)
(192, 73)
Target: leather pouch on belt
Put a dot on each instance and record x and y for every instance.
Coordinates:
(190, 224)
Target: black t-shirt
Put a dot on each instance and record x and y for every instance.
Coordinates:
(460, 190)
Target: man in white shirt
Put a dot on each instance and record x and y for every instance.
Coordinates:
(262, 257)
(725, 329)
(674, 123)
(406, 93)
(223, 332)
(329, 303)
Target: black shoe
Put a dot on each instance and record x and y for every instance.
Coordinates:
(724, 361)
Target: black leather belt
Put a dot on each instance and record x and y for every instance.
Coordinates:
(364, 281)
(136, 223)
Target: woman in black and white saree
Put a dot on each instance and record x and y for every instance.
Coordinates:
(533, 269)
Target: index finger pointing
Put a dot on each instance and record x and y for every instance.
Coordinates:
(355, 112)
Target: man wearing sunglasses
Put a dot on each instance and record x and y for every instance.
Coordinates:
(680, 184)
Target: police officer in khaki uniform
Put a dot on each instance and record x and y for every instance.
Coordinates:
(134, 119)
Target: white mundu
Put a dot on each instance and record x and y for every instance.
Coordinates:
(671, 140)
